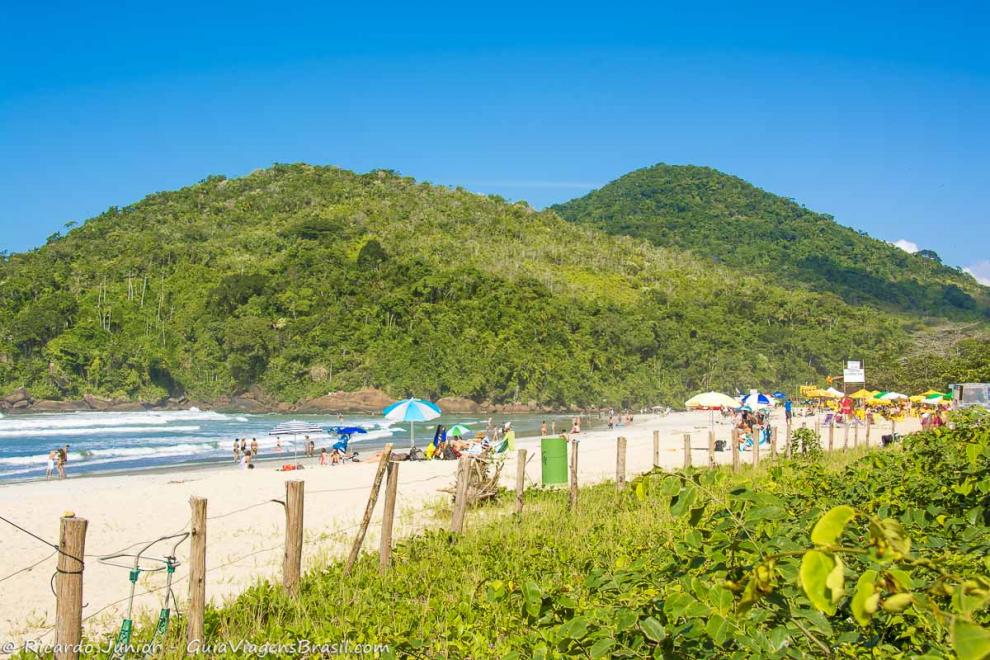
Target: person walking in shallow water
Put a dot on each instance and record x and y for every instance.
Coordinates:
(237, 450)
(52, 458)
(60, 459)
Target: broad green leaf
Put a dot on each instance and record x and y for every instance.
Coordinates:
(718, 629)
(970, 641)
(601, 648)
(861, 604)
(533, 597)
(829, 527)
(653, 629)
(818, 579)
(576, 628)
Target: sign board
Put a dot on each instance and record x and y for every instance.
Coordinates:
(854, 364)
(857, 375)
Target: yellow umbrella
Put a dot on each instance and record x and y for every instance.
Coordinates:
(711, 400)
(917, 398)
(862, 394)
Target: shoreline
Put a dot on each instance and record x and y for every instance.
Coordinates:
(246, 530)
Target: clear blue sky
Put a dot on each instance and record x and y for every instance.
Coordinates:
(874, 112)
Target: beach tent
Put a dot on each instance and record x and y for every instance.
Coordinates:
(710, 400)
(833, 393)
(295, 428)
(893, 396)
(412, 411)
(861, 394)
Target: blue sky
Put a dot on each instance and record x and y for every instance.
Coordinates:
(876, 113)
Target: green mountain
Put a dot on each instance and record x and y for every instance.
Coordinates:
(299, 280)
(725, 219)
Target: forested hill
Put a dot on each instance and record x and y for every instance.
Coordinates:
(301, 280)
(723, 218)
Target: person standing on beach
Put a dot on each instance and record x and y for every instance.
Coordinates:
(543, 428)
(254, 447)
(52, 458)
(237, 450)
(60, 459)
(244, 445)
(787, 411)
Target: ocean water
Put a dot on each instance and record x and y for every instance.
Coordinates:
(101, 442)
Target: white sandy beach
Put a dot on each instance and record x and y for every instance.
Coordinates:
(245, 546)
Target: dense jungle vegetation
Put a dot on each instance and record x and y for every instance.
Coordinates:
(881, 553)
(725, 219)
(300, 280)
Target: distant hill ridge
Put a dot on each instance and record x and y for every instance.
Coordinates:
(726, 219)
(295, 281)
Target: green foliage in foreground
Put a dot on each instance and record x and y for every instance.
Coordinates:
(882, 553)
(301, 280)
(725, 218)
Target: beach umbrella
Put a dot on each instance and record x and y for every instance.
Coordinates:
(457, 430)
(779, 395)
(930, 393)
(935, 398)
(711, 400)
(861, 394)
(744, 409)
(412, 411)
(893, 396)
(833, 393)
(756, 400)
(296, 428)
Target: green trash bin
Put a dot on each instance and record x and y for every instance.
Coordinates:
(553, 455)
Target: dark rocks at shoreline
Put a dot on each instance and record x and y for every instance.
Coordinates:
(254, 400)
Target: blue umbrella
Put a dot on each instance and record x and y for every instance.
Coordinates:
(412, 411)
(348, 430)
(756, 400)
(779, 395)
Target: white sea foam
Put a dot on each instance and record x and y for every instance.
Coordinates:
(45, 421)
(111, 454)
(98, 430)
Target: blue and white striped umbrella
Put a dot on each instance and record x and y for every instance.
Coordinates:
(296, 428)
(756, 400)
(412, 411)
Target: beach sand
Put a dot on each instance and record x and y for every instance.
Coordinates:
(245, 544)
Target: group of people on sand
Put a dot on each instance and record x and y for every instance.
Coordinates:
(243, 455)
(444, 447)
(753, 427)
(57, 458)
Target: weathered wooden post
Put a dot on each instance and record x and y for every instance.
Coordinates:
(735, 450)
(69, 587)
(520, 479)
(831, 434)
(856, 434)
(620, 463)
(195, 632)
(369, 508)
(773, 443)
(787, 440)
(687, 450)
(292, 557)
(460, 494)
(867, 430)
(388, 517)
(574, 475)
(845, 434)
(756, 448)
(711, 449)
(893, 425)
(656, 448)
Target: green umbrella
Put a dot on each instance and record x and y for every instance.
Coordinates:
(457, 430)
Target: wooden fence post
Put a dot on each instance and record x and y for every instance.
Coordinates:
(831, 435)
(388, 517)
(845, 435)
(195, 632)
(711, 449)
(787, 440)
(369, 509)
(574, 475)
(460, 494)
(773, 443)
(520, 479)
(735, 450)
(856, 435)
(69, 586)
(687, 450)
(656, 448)
(292, 555)
(756, 448)
(867, 430)
(818, 424)
(620, 463)
(893, 425)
